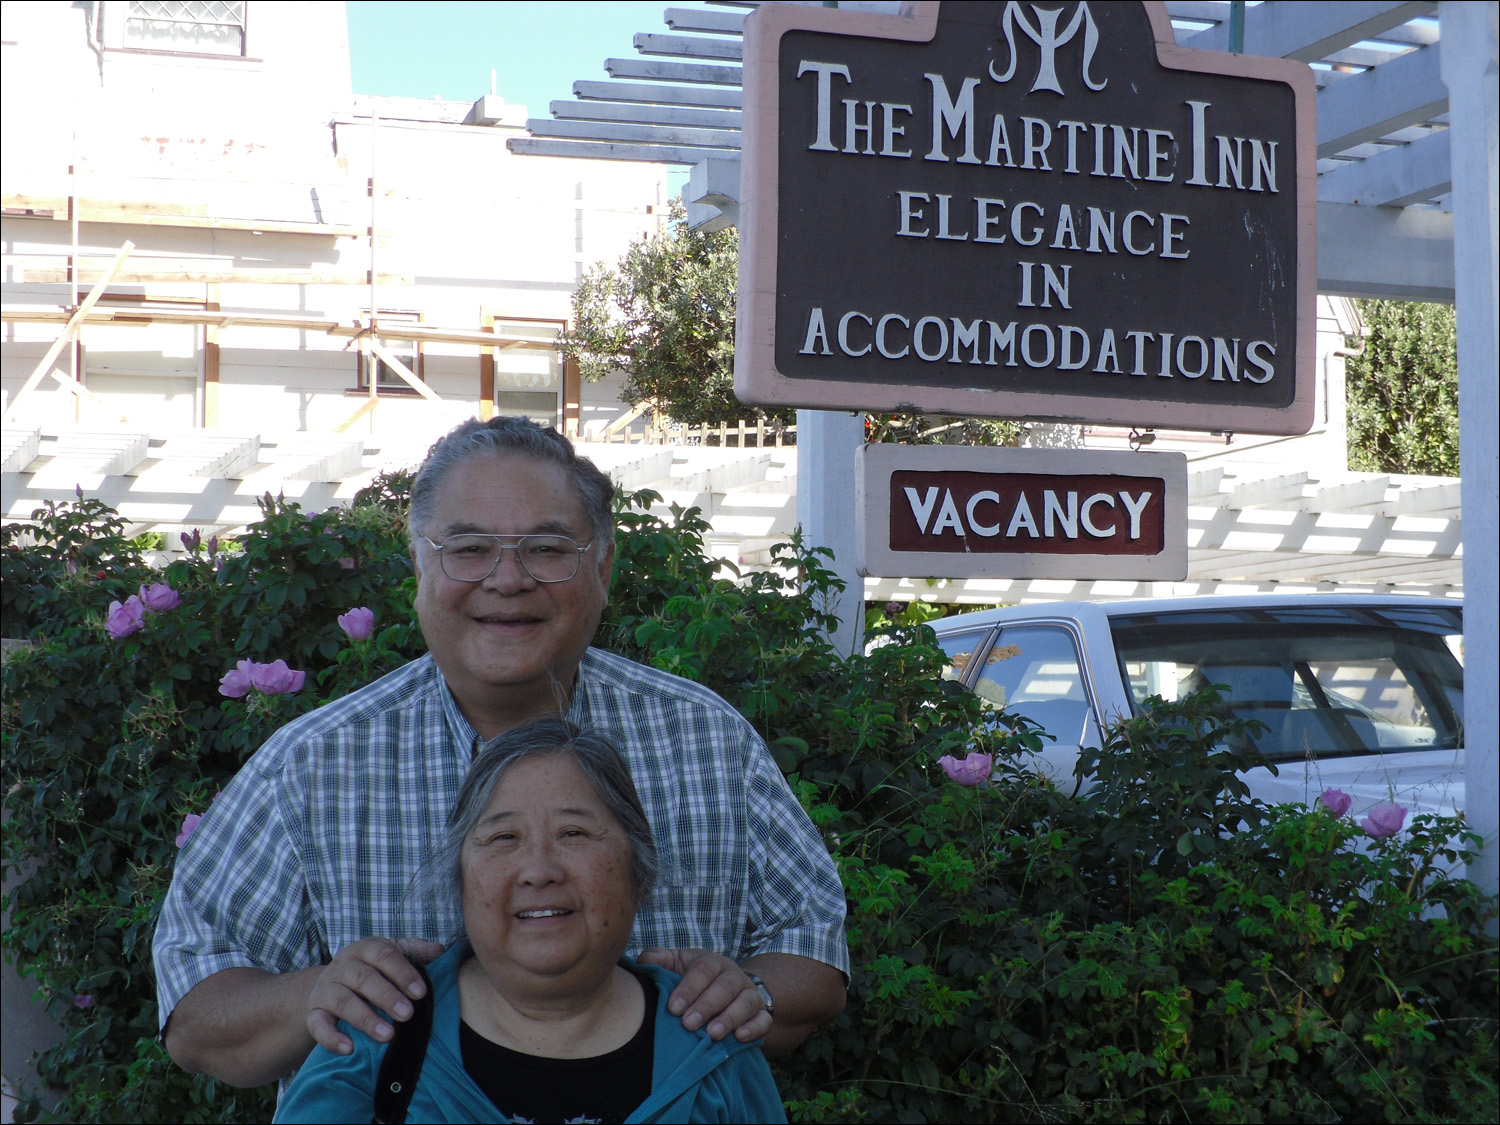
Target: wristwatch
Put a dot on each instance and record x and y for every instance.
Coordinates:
(765, 993)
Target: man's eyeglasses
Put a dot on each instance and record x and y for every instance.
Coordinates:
(473, 558)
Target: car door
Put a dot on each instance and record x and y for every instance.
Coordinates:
(1035, 670)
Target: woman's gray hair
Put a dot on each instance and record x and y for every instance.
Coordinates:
(441, 877)
(502, 435)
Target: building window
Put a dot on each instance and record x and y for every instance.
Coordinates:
(408, 352)
(529, 369)
(197, 27)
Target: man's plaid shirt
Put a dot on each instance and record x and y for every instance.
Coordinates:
(315, 842)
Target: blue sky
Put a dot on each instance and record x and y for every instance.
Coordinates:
(538, 49)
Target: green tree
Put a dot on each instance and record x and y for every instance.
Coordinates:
(1403, 390)
(665, 317)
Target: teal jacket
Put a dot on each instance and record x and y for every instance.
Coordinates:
(692, 1078)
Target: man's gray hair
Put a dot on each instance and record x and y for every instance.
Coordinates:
(602, 764)
(503, 435)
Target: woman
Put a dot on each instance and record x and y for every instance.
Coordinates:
(537, 1016)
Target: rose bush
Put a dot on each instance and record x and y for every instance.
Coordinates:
(1164, 948)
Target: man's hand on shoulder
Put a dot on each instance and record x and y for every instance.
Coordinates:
(248, 1027)
(714, 993)
(370, 974)
(718, 994)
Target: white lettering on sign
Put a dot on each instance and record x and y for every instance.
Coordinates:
(1034, 144)
(1087, 230)
(1064, 347)
(825, 72)
(1064, 511)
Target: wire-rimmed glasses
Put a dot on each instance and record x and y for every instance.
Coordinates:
(473, 558)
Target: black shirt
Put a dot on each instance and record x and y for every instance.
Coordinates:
(530, 1088)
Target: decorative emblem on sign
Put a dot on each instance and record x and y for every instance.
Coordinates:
(1045, 36)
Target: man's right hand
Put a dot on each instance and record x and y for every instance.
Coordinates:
(370, 974)
(248, 1027)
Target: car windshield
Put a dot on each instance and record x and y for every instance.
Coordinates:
(1325, 680)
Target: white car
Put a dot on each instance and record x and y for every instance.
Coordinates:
(1359, 693)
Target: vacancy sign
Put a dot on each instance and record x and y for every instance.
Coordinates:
(1018, 210)
(962, 512)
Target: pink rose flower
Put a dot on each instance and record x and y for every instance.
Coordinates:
(973, 770)
(1336, 801)
(159, 597)
(125, 618)
(276, 678)
(358, 623)
(1384, 820)
(237, 682)
(189, 826)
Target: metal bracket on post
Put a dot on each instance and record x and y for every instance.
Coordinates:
(712, 195)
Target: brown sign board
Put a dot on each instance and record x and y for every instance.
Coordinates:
(968, 512)
(999, 209)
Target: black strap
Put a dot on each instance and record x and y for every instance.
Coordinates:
(403, 1060)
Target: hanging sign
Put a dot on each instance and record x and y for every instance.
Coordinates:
(1008, 210)
(936, 511)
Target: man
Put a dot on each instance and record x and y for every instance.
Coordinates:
(290, 907)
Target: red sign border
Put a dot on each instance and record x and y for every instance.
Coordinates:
(756, 379)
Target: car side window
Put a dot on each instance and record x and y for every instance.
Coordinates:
(961, 649)
(1033, 670)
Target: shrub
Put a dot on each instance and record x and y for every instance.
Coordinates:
(1162, 948)
(111, 743)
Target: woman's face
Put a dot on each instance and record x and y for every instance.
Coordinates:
(548, 898)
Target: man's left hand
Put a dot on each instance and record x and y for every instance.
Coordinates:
(714, 993)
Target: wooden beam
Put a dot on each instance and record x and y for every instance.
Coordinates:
(487, 371)
(600, 150)
(305, 322)
(394, 363)
(360, 411)
(78, 390)
(211, 363)
(70, 330)
(643, 113)
(688, 46)
(1310, 32)
(657, 93)
(572, 388)
(1412, 173)
(154, 213)
(625, 419)
(425, 334)
(692, 19)
(1365, 107)
(1388, 252)
(627, 133)
(656, 70)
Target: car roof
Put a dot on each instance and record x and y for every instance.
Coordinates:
(1197, 603)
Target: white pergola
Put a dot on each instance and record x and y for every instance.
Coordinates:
(1408, 199)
